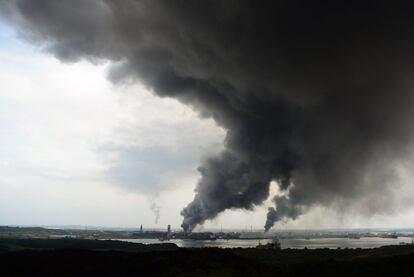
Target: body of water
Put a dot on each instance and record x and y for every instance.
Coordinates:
(333, 243)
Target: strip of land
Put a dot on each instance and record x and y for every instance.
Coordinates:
(75, 257)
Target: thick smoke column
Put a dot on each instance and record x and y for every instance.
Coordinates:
(285, 209)
(315, 95)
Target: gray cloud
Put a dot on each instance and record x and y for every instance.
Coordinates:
(161, 142)
(148, 170)
(316, 96)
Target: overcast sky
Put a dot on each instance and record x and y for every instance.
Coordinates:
(76, 149)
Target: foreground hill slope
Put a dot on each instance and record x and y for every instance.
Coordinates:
(81, 257)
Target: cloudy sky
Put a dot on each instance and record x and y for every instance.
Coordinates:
(79, 149)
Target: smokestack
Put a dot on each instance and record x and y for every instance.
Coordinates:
(315, 95)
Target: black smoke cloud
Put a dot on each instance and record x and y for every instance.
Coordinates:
(315, 95)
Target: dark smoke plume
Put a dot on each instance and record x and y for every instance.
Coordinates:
(315, 95)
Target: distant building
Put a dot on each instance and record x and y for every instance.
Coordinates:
(275, 244)
(140, 228)
(169, 229)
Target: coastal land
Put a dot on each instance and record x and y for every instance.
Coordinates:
(76, 257)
